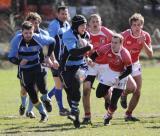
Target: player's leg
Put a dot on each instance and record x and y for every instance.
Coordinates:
(116, 93)
(41, 83)
(57, 91)
(131, 88)
(136, 74)
(134, 100)
(29, 112)
(87, 85)
(29, 80)
(72, 84)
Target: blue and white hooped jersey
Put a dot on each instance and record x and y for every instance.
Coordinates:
(29, 51)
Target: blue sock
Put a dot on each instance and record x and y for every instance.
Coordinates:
(58, 96)
(24, 100)
(30, 106)
(41, 108)
(52, 92)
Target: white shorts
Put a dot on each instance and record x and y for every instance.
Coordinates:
(97, 70)
(109, 76)
(136, 69)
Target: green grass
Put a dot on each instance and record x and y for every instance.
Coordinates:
(147, 110)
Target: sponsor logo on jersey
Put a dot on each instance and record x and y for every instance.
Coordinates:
(109, 55)
(129, 42)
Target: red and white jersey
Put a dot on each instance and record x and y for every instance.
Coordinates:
(97, 40)
(132, 45)
(117, 62)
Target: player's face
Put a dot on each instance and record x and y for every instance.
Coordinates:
(63, 15)
(136, 27)
(35, 24)
(95, 23)
(28, 34)
(82, 28)
(115, 44)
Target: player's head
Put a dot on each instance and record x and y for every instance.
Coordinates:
(79, 23)
(136, 22)
(62, 13)
(95, 22)
(27, 30)
(116, 42)
(34, 18)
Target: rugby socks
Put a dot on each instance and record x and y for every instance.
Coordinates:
(74, 106)
(58, 95)
(30, 106)
(128, 113)
(52, 92)
(110, 112)
(24, 100)
(87, 115)
(41, 108)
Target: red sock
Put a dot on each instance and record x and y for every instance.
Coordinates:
(128, 113)
(87, 114)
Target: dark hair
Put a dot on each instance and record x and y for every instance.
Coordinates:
(78, 20)
(61, 8)
(27, 25)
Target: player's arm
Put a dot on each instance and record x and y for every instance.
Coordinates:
(126, 58)
(147, 45)
(100, 52)
(126, 72)
(13, 53)
(148, 50)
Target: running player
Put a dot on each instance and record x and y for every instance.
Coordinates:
(56, 29)
(135, 39)
(35, 19)
(119, 67)
(99, 36)
(73, 62)
(25, 49)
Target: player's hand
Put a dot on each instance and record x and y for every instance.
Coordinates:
(23, 62)
(48, 62)
(90, 62)
(55, 64)
(141, 39)
(91, 46)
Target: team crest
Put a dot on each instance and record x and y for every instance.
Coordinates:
(129, 42)
(109, 55)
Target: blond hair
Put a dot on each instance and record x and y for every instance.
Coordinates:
(33, 16)
(95, 16)
(135, 17)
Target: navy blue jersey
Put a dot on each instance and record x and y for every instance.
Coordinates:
(56, 29)
(29, 51)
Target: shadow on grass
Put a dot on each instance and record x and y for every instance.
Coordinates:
(153, 127)
(21, 128)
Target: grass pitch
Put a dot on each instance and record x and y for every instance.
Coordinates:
(148, 110)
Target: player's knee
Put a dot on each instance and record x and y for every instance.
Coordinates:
(23, 92)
